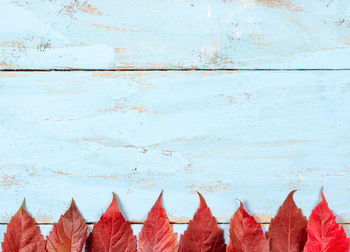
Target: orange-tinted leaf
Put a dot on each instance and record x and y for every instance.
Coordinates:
(246, 234)
(287, 231)
(157, 232)
(324, 233)
(69, 233)
(203, 233)
(111, 233)
(22, 234)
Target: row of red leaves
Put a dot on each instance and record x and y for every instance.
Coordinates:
(289, 231)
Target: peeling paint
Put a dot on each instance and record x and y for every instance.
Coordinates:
(9, 180)
(119, 50)
(84, 6)
(4, 64)
(110, 28)
(219, 186)
(279, 3)
(7, 74)
(104, 176)
(62, 173)
(168, 153)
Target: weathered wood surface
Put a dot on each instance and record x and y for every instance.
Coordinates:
(116, 34)
(243, 135)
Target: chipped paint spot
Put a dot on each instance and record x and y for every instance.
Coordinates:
(279, 3)
(41, 218)
(284, 143)
(106, 142)
(168, 153)
(262, 218)
(104, 176)
(118, 29)
(4, 64)
(103, 75)
(148, 186)
(87, 8)
(188, 168)
(7, 74)
(259, 39)
(215, 73)
(119, 50)
(13, 43)
(109, 28)
(218, 186)
(8, 180)
(122, 105)
(62, 173)
(76, 5)
(139, 109)
(44, 46)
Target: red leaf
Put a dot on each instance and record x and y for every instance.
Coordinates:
(69, 233)
(203, 233)
(246, 234)
(111, 233)
(22, 234)
(157, 232)
(287, 231)
(324, 233)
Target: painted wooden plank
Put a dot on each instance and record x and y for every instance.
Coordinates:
(116, 34)
(243, 135)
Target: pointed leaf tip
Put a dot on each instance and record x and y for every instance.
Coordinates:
(23, 203)
(72, 204)
(159, 200)
(287, 231)
(246, 234)
(324, 233)
(114, 201)
(203, 233)
(291, 194)
(112, 233)
(322, 196)
(201, 200)
(157, 232)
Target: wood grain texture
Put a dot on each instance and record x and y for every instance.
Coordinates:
(117, 34)
(252, 136)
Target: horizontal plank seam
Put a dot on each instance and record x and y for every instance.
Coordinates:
(171, 69)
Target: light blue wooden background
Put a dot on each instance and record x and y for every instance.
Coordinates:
(106, 126)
